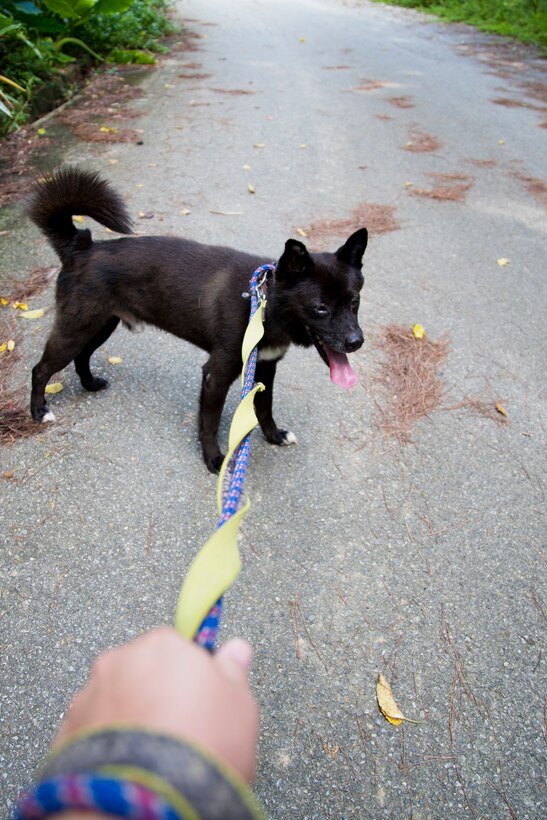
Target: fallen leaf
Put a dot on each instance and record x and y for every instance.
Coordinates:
(302, 40)
(33, 314)
(10, 345)
(54, 387)
(303, 145)
(502, 262)
(106, 129)
(20, 305)
(8, 475)
(330, 751)
(115, 360)
(501, 409)
(3, 346)
(386, 702)
(251, 189)
(4, 301)
(227, 213)
(139, 185)
(246, 167)
(185, 211)
(418, 331)
(113, 161)
(259, 145)
(409, 184)
(78, 218)
(301, 232)
(501, 142)
(41, 132)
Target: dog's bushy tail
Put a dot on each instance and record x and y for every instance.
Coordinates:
(70, 191)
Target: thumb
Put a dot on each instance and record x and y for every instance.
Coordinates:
(235, 658)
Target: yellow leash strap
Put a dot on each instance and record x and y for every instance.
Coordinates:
(213, 570)
(217, 564)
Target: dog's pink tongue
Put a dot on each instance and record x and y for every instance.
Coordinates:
(341, 372)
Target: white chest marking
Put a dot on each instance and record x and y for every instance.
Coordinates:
(270, 354)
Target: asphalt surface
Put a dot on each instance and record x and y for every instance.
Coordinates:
(360, 555)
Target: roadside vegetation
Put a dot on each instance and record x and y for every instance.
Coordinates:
(47, 47)
(524, 19)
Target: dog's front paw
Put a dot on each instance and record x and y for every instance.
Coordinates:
(214, 463)
(283, 438)
(95, 384)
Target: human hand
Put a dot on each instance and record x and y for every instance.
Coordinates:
(165, 683)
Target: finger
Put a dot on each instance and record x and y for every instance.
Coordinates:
(235, 658)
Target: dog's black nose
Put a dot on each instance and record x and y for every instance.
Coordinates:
(353, 342)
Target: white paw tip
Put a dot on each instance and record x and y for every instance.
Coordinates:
(49, 416)
(290, 438)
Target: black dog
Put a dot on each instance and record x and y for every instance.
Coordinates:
(193, 291)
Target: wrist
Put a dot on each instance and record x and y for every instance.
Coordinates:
(78, 815)
(123, 772)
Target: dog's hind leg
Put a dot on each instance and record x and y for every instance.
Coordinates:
(61, 348)
(81, 361)
(265, 373)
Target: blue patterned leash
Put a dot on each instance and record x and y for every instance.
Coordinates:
(206, 635)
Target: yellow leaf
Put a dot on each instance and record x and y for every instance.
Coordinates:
(41, 132)
(501, 409)
(106, 129)
(3, 346)
(54, 387)
(246, 167)
(78, 219)
(409, 184)
(330, 751)
(115, 359)
(301, 232)
(502, 261)
(260, 145)
(10, 345)
(303, 145)
(501, 142)
(302, 40)
(113, 161)
(33, 314)
(185, 212)
(418, 331)
(20, 305)
(251, 189)
(386, 702)
(4, 301)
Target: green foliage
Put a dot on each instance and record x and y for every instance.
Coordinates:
(39, 37)
(524, 19)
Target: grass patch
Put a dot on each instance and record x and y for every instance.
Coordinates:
(44, 55)
(525, 20)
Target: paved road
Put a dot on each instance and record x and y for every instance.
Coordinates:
(421, 561)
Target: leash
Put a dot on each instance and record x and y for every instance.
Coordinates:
(217, 564)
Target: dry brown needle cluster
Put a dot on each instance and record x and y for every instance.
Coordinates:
(408, 377)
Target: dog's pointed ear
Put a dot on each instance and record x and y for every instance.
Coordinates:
(352, 251)
(295, 261)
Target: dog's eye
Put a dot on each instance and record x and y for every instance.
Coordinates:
(355, 305)
(321, 311)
